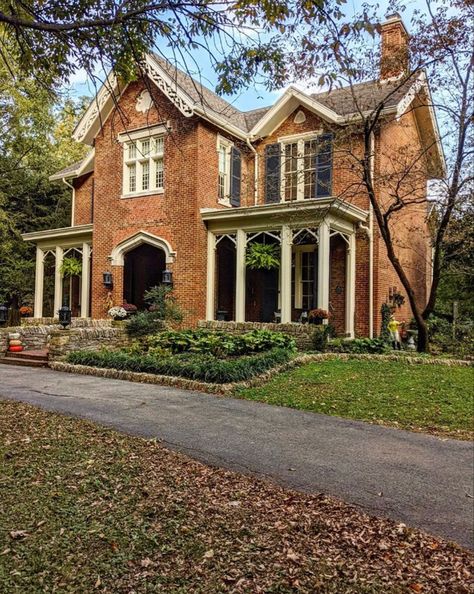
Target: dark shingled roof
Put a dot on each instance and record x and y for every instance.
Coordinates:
(69, 170)
(343, 101)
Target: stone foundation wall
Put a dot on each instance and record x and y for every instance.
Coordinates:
(34, 338)
(75, 322)
(302, 333)
(63, 342)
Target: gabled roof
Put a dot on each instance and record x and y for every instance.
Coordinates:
(338, 106)
(77, 169)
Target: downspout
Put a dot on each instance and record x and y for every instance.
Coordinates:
(255, 173)
(369, 229)
(64, 180)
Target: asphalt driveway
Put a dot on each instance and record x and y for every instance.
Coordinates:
(417, 479)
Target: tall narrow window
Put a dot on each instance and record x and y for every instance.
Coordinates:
(309, 172)
(224, 148)
(307, 279)
(146, 175)
(291, 171)
(132, 177)
(144, 165)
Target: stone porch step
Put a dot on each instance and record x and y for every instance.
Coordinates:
(26, 358)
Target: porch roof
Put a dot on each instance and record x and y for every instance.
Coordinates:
(64, 236)
(294, 214)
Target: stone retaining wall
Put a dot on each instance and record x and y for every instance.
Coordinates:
(35, 338)
(302, 333)
(75, 322)
(63, 342)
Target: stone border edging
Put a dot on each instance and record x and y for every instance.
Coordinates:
(188, 384)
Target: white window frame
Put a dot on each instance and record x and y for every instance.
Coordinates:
(226, 145)
(300, 140)
(298, 251)
(155, 156)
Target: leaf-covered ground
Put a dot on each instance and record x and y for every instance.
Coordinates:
(430, 398)
(85, 509)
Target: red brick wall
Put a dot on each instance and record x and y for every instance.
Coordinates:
(397, 148)
(191, 184)
(83, 192)
(337, 284)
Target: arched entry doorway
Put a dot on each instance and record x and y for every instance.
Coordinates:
(143, 269)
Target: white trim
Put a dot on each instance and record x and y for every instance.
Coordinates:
(84, 167)
(39, 283)
(350, 285)
(302, 136)
(141, 194)
(240, 269)
(60, 233)
(226, 144)
(58, 281)
(323, 266)
(211, 276)
(140, 133)
(285, 274)
(85, 279)
(119, 251)
(287, 103)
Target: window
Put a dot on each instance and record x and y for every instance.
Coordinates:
(306, 168)
(224, 148)
(290, 183)
(307, 280)
(143, 165)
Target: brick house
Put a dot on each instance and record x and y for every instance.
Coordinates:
(179, 180)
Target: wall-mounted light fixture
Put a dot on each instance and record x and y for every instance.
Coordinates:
(167, 278)
(107, 280)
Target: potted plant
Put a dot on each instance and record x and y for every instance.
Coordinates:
(71, 267)
(26, 311)
(130, 308)
(317, 315)
(262, 256)
(117, 313)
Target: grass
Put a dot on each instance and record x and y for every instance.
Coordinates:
(85, 509)
(431, 398)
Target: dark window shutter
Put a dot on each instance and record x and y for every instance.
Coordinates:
(272, 173)
(324, 166)
(235, 176)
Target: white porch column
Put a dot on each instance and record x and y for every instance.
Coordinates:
(241, 240)
(211, 276)
(350, 285)
(58, 281)
(285, 274)
(39, 283)
(86, 279)
(323, 266)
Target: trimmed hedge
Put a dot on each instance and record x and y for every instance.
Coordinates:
(192, 366)
(219, 344)
(359, 345)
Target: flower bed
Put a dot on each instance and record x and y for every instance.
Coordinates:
(207, 368)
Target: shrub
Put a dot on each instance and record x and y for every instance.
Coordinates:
(320, 338)
(144, 323)
(359, 345)
(163, 303)
(191, 366)
(386, 312)
(220, 344)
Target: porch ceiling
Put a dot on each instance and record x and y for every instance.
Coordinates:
(309, 212)
(64, 236)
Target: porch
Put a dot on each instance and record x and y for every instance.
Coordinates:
(315, 248)
(52, 288)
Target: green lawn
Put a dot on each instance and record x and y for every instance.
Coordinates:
(431, 398)
(87, 510)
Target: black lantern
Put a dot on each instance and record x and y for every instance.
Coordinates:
(167, 278)
(107, 280)
(3, 314)
(65, 316)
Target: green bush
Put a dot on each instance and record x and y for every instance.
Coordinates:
(320, 337)
(144, 323)
(359, 345)
(219, 344)
(191, 366)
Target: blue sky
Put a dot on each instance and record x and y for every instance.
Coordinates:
(257, 96)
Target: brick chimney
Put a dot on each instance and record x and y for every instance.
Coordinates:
(394, 59)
